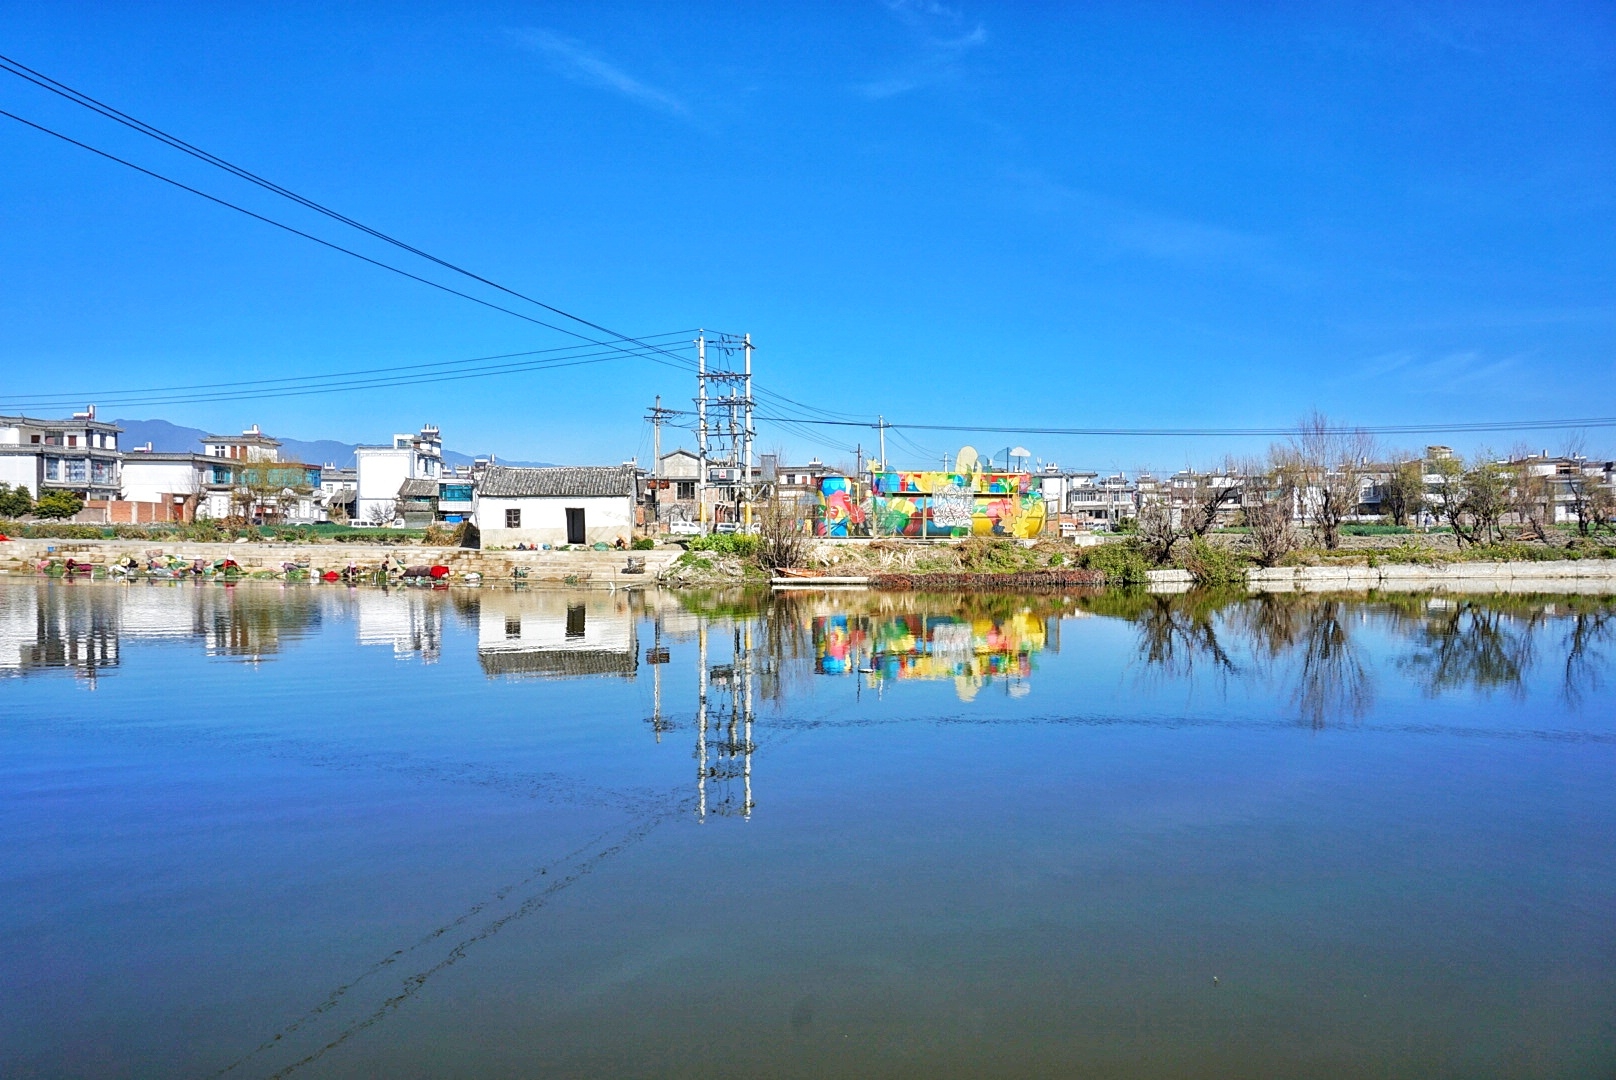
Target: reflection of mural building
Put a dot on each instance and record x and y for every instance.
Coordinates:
(970, 651)
(554, 633)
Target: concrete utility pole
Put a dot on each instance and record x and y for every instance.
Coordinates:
(701, 429)
(750, 431)
(881, 423)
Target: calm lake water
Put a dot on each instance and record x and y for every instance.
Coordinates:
(265, 831)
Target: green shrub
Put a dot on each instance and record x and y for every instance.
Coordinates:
(643, 543)
(1123, 562)
(58, 504)
(743, 545)
(1375, 530)
(1209, 564)
(15, 502)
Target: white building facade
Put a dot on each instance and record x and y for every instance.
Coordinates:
(79, 455)
(579, 505)
(382, 470)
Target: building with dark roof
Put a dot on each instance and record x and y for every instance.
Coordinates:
(574, 505)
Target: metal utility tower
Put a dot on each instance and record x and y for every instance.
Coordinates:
(725, 443)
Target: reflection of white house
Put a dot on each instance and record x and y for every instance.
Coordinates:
(409, 622)
(59, 628)
(558, 634)
(573, 505)
(382, 469)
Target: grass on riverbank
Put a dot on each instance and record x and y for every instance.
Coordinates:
(1215, 561)
(219, 532)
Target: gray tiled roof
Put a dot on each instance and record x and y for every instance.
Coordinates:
(557, 663)
(571, 482)
(418, 489)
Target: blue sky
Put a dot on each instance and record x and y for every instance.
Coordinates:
(1140, 216)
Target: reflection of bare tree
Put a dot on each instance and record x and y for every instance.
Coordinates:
(1177, 633)
(1467, 643)
(787, 647)
(1585, 660)
(1272, 622)
(1333, 681)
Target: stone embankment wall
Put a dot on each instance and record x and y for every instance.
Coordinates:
(1596, 576)
(557, 567)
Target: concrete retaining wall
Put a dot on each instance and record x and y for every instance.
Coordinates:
(587, 567)
(1579, 576)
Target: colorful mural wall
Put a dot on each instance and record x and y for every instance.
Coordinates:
(970, 651)
(932, 504)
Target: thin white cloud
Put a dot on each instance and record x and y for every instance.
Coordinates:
(1130, 229)
(570, 59)
(942, 42)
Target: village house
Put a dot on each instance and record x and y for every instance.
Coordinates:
(243, 477)
(160, 487)
(78, 455)
(382, 470)
(572, 505)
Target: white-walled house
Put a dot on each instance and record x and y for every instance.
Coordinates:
(79, 455)
(177, 480)
(381, 470)
(572, 505)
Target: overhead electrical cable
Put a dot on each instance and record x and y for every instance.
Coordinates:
(410, 379)
(113, 396)
(78, 97)
(807, 414)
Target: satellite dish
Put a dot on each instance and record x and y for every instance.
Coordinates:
(967, 460)
(1021, 451)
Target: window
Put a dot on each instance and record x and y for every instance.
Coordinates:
(687, 489)
(76, 469)
(575, 620)
(53, 468)
(513, 626)
(513, 518)
(72, 440)
(33, 438)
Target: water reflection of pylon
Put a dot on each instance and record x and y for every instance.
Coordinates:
(656, 656)
(724, 709)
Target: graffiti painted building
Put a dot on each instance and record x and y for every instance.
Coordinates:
(932, 504)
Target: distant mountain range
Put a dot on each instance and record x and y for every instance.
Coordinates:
(167, 438)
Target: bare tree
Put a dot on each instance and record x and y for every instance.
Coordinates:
(1486, 497)
(1531, 496)
(1267, 495)
(782, 533)
(1403, 494)
(1331, 462)
(1156, 530)
(1208, 495)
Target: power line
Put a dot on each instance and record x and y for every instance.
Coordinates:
(137, 396)
(414, 379)
(80, 98)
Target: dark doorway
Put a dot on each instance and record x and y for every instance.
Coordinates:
(575, 524)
